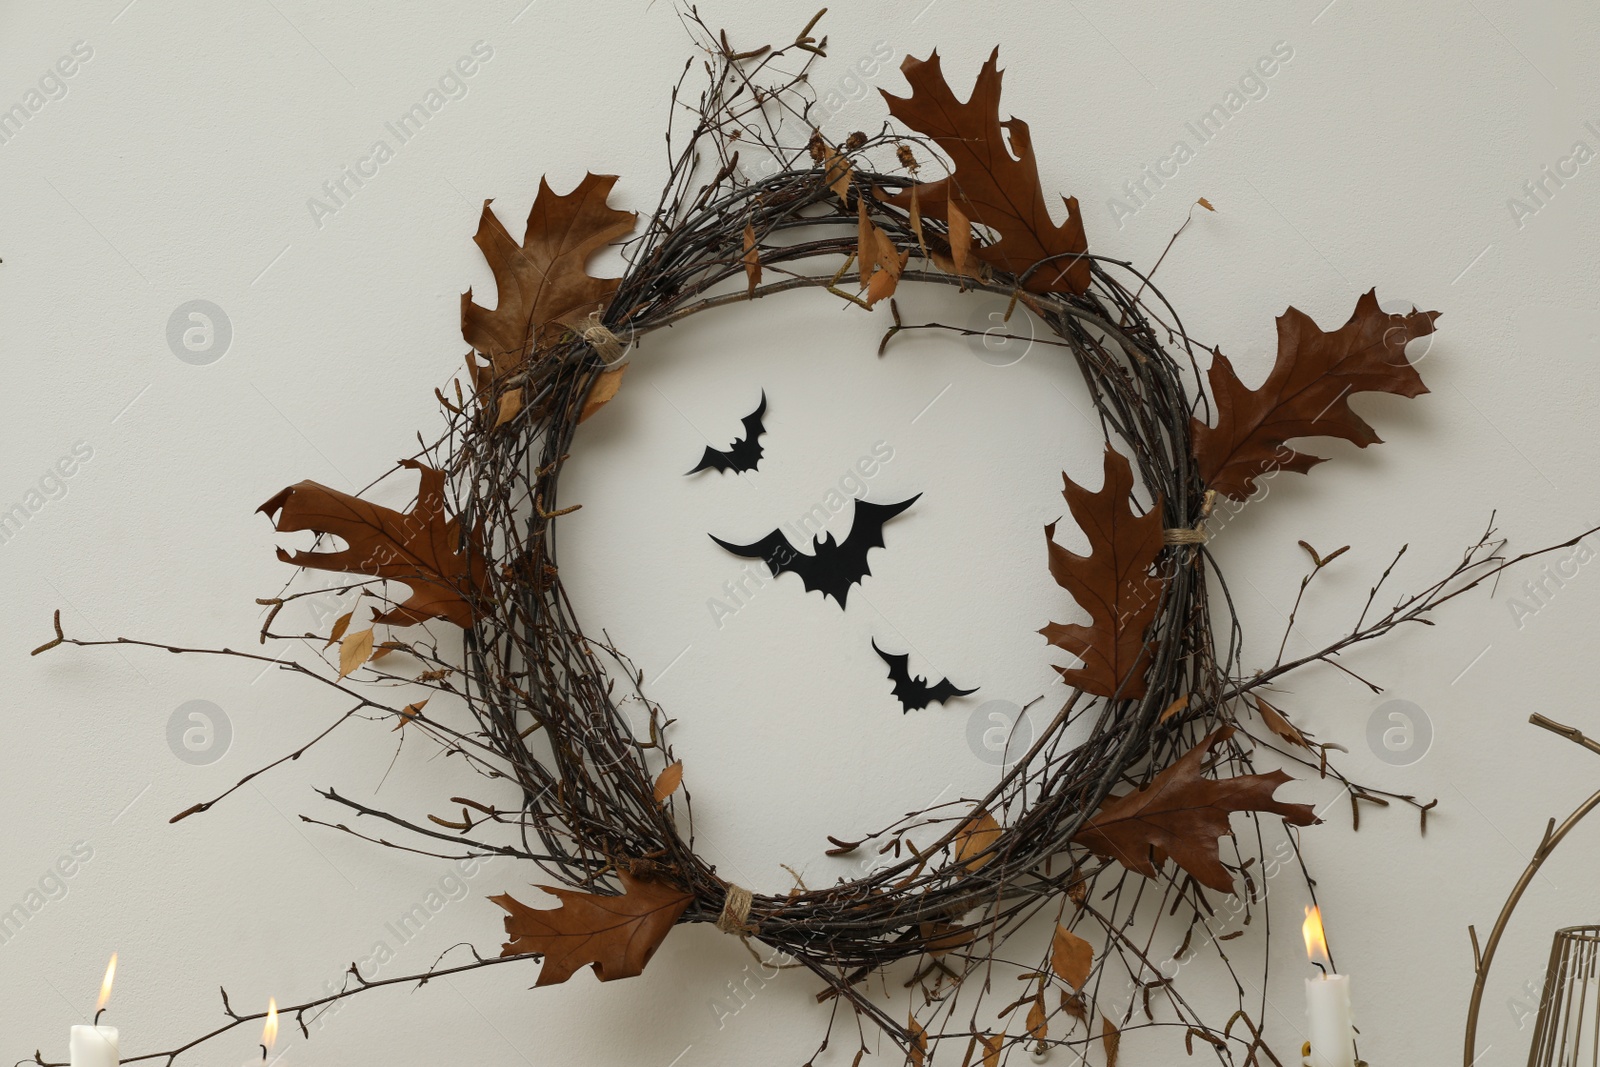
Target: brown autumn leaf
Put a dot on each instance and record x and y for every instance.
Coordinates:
(960, 237)
(974, 838)
(1307, 394)
(616, 935)
(939, 938)
(354, 650)
(409, 713)
(605, 387)
(1279, 725)
(1175, 708)
(991, 1044)
(1181, 815)
(1071, 958)
(542, 284)
(994, 175)
(752, 258)
(1038, 1021)
(510, 404)
(1073, 1005)
(340, 625)
(421, 548)
(668, 781)
(1112, 583)
(1111, 1039)
(917, 1053)
(836, 174)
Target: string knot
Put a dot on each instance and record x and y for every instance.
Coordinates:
(600, 338)
(1184, 536)
(735, 917)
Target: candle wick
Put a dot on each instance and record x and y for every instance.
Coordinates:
(263, 1054)
(97, 1015)
(1320, 967)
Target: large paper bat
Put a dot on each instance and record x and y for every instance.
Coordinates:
(833, 566)
(743, 454)
(915, 692)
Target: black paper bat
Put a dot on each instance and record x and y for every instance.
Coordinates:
(745, 453)
(833, 566)
(915, 692)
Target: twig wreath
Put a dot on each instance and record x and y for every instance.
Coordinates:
(1126, 822)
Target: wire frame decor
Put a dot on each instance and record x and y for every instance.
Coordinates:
(1568, 1030)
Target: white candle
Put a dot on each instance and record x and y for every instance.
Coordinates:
(93, 1046)
(1331, 1032)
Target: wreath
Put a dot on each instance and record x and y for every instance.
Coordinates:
(1120, 808)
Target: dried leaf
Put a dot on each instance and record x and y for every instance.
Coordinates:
(340, 625)
(421, 548)
(836, 175)
(1203, 202)
(668, 781)
(917, 1052)
(1181, 815)
(605, 387)
(1073, 1005)
(355, 650)
(994, 175)
(1038, 1022)
(1113, 583)
(866, 244)
(940, 938)
(752, 258)
(616, 935)
(1111, 1038)
(1175, 707)
(991, 1045)
(1280, 725)
(510, 404)
(916, 221)
(1071, 958)
(960, 237)
(886, 279)
(409, 713)
(974, 838)
(1307, 394)
(542, 284)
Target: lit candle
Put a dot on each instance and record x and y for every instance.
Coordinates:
(96, 1045)
(269, 1029)
(1327, 1003)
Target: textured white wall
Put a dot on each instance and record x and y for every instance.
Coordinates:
(178, 166)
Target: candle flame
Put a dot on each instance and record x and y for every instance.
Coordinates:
(269, 1032)
(1316, 943)
(105, 983)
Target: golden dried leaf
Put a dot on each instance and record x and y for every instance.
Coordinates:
(616, 935)
(960, 237)
(995, 176)
(1038, 1022)
(752, 258)
(836, 174)
(1307, 394)
(887, 278)
(409, 713)
(668, 780)
(1175, 707)
(1111, 1038)
(917, 1053)
(605, 387)
(1073, 1005)
(421, 548)
(1203, 202)
(1181, 815)
(542, 284)
(1280, 725)
(1071, 958)
(974, 838)
(340, 625)
(991, 1045)
(1113, 584)
(354, 650)
(916, 221)
(510, 404)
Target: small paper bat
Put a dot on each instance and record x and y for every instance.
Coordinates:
(915, 692)
(833, 566)
(745, 453)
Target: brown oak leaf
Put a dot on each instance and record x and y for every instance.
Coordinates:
(1181, 815)
(1307, 394)
(1112, 583)
(542, 284)
(995, 177)
(421, 548)
(616, 935)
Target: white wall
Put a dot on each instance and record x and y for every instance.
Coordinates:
(178, 166)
